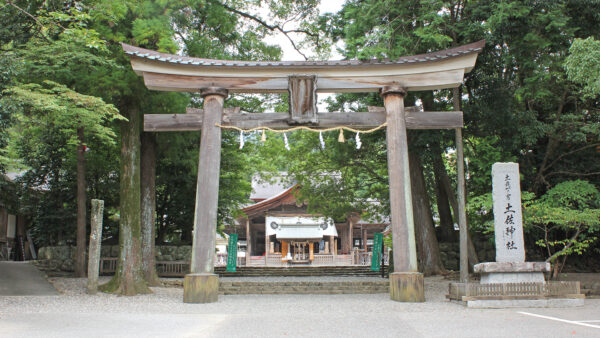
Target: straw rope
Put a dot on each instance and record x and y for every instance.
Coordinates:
(381, 126)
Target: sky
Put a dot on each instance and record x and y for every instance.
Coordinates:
(289, 53)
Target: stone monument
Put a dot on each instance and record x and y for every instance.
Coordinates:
(510, 281)
(510, 265)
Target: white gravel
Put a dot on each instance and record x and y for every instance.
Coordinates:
(76, 314)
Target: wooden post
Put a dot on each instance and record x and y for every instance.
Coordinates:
(462, 214)
(202, 285)
(267, 244)
(350, 237)
(95, 244)
(332, 248)
(364, 239)
(248, 242)
(406, 283)
(311, 251)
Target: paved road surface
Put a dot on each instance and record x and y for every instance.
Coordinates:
(23, 279)
(162, 314)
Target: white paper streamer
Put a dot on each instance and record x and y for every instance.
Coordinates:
(241, 139)
(358, 142)
(285, 141)
(321, 140)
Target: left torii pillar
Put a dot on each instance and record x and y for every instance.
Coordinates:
(201, 285)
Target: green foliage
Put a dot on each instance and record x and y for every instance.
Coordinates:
(43, 139)
(568, 216)
(583, 66)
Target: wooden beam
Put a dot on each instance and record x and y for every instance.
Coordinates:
(303, 99)
(366, 120)
(245, 81)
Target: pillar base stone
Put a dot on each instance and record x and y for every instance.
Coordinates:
(407, 287)
(200, 288)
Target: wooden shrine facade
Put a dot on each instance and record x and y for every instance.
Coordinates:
(317, 240)
(215, 79)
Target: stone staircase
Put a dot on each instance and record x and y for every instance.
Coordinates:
(298, 271)
(303, 287)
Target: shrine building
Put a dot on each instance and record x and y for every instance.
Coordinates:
(277, 230)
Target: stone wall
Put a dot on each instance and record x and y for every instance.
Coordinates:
(450, 253)
(61, 258)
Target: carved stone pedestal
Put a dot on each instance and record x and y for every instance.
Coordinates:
(407, 287)
(200, 288)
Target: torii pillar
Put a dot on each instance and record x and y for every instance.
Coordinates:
(201, 285)
(406, 283)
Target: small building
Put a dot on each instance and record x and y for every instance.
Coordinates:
(14, 242)
(277, 230)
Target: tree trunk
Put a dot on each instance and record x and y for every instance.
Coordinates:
(447, 232)
(80, 263)
(148, 207)
(427, 244)
(129, 277)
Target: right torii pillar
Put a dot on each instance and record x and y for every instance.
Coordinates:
(406, 282)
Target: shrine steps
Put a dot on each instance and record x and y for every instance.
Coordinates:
(298, 271)
(303, 287)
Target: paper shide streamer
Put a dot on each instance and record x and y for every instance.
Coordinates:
(285, 141)
(321, 141)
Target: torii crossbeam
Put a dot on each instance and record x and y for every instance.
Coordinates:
(215, 79)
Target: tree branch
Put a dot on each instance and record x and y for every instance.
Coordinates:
(32, 16)
(571, 152)
(556, 254)
(561, 172)
(272, 28)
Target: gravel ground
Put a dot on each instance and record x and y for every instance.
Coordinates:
(76, 314)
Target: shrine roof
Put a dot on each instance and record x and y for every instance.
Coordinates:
(286, 196)
(436, 70)
(186, 60)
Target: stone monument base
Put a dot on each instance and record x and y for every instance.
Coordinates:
(200, 288)
(520, 303)
(407, 287)
(512, 272)
(515, 284)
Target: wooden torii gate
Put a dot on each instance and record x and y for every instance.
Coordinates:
(215, 79)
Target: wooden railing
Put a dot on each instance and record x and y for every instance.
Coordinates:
(274, 260)
(323, 260)
(172, 268)
(469, 291)
(256, 261)
(108, 265)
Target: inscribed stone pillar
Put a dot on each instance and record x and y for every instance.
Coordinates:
(202, 285)
(508, 221)
(406, 283)
(95, 243)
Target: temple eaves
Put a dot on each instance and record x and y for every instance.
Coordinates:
(437, 70)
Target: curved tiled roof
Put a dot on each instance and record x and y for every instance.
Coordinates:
(185, 60)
